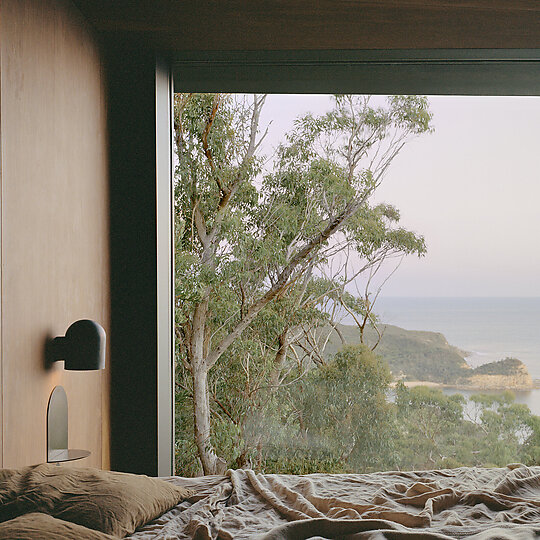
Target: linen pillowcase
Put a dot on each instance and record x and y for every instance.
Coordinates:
(36, 526)
(111, 502)
(10, 489)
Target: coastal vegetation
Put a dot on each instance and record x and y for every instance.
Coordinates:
(346, 416)
(266, 250)
(263, 251)
(425, 356)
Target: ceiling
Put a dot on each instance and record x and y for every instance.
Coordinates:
(175, 26)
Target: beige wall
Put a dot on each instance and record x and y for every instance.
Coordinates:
(54, 222)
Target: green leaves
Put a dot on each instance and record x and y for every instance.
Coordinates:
(344, 404)
(246, 229)
(489, 431)
(411, 113)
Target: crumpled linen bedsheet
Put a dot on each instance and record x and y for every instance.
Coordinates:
(471, 503)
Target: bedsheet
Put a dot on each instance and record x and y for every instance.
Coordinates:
(471, 503)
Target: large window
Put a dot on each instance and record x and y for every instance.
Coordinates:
(355, 282)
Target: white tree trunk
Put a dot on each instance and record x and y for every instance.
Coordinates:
(212, 464)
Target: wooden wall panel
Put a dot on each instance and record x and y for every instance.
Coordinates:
(55, 265)
(1, 266)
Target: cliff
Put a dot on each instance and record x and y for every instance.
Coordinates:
(427, 357)
(509, 373)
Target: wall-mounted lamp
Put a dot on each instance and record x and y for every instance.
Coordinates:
(82, 348)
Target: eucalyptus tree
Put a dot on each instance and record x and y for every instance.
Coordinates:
(346, 410)
(255, 239)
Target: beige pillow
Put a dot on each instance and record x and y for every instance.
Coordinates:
(38, 526)
(112, 502)
(10, 489)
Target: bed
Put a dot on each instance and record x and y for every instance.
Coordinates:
(475, 503)
(452, 503)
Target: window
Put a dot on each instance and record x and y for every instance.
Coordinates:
(231, 437)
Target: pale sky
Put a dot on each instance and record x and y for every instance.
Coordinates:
(472, 189)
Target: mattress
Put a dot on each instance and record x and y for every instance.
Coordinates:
(475, 503)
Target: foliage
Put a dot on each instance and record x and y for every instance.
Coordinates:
(437, 430)
(410, 354)
(344, 405)
(258, 382)
(508, 366)
(253, 249)
(431, 427)
(414, 355)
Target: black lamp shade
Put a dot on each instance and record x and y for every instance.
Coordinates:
(83, 347)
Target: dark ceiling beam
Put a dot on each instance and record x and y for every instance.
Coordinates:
(171, 26)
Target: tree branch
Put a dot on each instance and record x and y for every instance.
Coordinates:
(301, 257)
(206, 149)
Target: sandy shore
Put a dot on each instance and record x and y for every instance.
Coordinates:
(412, 384)
(431, 384)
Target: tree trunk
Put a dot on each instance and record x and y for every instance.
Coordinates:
(212, 464)
(279, 360)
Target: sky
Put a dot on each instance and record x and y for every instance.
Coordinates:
(472, 189)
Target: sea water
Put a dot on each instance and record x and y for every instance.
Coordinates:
(490, 329)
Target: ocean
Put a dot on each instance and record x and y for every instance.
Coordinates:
(490, 329)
